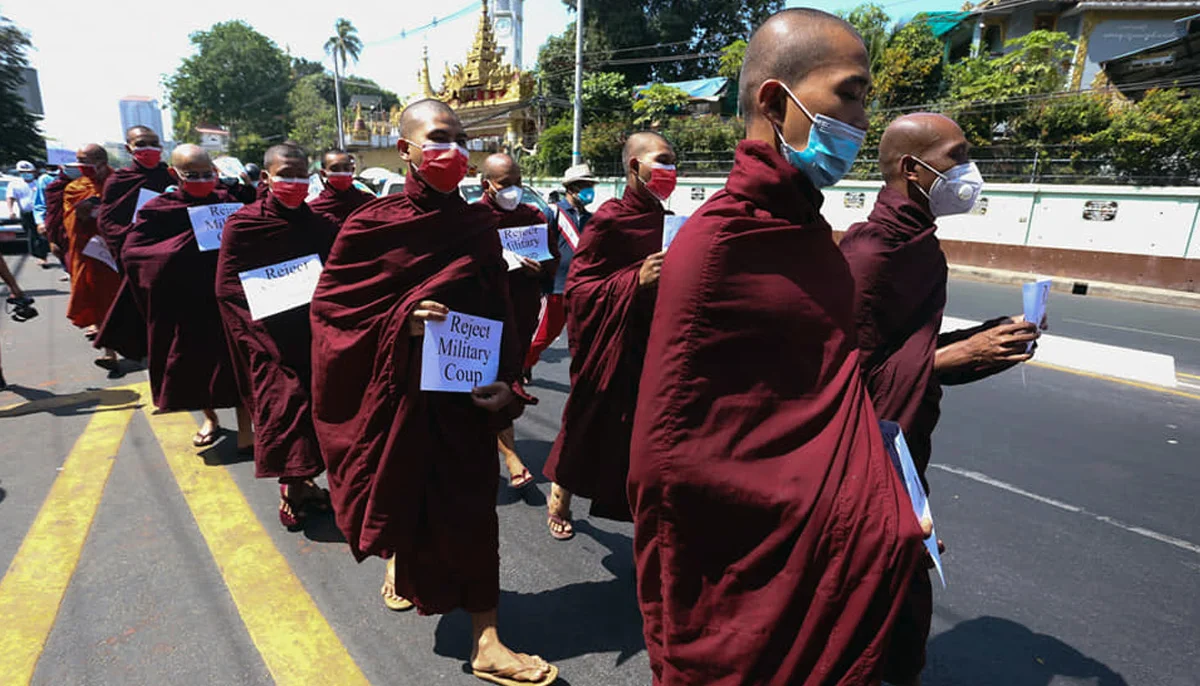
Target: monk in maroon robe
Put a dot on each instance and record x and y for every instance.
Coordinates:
(900, 277)
(272, 354)
(339, 198)
(413, 473)
(774, 541)
(172, 282)
(121, 191)
(502, 193)
(610, 301)
(56, 231)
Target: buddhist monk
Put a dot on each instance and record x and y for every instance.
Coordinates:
(171, 280)
(119, 201)
(56, 232)
(610, 295)
(271, 353)
(900, 276)
(413, 473)
(94, 277)
(339, 198)
(502, 192)
(774, 541)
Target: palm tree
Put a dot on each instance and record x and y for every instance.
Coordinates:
(342, 45)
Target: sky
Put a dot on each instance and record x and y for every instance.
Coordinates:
(90, 54)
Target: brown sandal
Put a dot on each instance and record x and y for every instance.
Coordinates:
(393, 602)
(505, 679)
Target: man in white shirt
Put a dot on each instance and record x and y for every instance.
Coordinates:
(20, 198)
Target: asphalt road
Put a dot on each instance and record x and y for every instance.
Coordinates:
(1068, 505)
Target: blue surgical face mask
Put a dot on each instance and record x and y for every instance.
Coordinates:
(28, 176)
(586, 195)
(833, 146)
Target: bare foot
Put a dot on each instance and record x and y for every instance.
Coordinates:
(559, 515)
(494, 659)
(207, 435)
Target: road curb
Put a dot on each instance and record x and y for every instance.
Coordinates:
(1095, 358)
(1158, 296)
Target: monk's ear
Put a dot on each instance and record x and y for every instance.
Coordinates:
(402, 148)
(772, 101)
(908, 168)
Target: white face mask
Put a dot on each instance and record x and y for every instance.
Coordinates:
(508, 198)
(955, 191)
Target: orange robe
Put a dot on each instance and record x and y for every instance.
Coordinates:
(94, 284)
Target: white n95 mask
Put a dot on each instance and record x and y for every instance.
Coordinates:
(955, 191)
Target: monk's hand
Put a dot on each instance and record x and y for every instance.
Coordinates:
(41, 228)
(427, 311)
(531, 266)
(492, 397)
(1006, 344)
(651, 269)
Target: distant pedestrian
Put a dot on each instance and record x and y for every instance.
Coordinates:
(20, 196)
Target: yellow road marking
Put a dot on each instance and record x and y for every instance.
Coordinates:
(1135, 384)
(1188, 376)
(296, 642)
(33, 588)
(122, 398)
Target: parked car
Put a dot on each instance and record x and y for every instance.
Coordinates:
(472, 190)
(11, 231)
(392, 185)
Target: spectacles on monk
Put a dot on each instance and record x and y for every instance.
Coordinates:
(195, 175)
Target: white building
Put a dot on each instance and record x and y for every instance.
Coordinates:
(141, 110)
(508, 19)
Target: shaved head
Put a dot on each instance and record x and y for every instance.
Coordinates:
(498, 166)
(134, 133)
(188, 157)
(641, 143)
(337, 160)
(285, 154)
(92, 153)
(788, 46)
(421, 113)
(933, 138)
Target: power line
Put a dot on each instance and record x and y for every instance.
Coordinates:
(433, 24)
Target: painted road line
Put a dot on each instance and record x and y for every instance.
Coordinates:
(33, 588)
(296, 642)
(1124, 382)
(1131, 329)
(1193, 377)
(1017, 490)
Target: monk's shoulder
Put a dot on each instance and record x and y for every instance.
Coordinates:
(862, 239)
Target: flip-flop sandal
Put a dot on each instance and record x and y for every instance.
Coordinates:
(203, 440)
(318, 501)
(393, 602)
(564, 523)
(551, 677)
(108, 363)
(291, 516)
(521, 480)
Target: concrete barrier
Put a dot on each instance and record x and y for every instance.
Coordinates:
(1095, 358)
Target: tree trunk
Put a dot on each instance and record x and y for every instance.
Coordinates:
(337, 97)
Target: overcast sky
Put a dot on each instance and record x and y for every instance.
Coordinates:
(91, 53)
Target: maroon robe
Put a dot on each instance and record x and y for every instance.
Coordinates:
(119, 201)
(774, 541)
(173, 284)
(56, 231)
(340, 204)
(525, 289)
(272, 356)
(412, 473)
(608, 322)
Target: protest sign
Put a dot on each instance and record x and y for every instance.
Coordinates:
(208, 221)
(460, 353)
(280, 287)
(527, 241)
(96, 248)
(1035, 295)
(145, 195)
(897, 448)
(671, 225)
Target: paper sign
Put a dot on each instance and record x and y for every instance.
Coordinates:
(60, 156)
(671, 225)
(527, 241)
(145, 195)
(513, 260)
(208, 221)
(96, 248)
(280, 287)
(460, 353)
(897, 447)
(1035, 295)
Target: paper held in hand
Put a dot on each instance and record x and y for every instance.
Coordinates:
(527, 241)
(671, 225)
(208, 221)
(145, 195)
(280, 287)
(1035, 295)
(460, 353)
(897, 448)
(96, 248)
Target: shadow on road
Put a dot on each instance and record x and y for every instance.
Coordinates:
(71, 404)
(990, 651)
(551, 385)
(569, 621)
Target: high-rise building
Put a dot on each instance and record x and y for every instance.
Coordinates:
(141, 110)
(508, 18)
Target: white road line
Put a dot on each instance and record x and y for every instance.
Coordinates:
(1140, 531)
(1131, 329)
(1190, 386)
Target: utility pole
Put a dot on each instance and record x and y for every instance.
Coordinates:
(576, 138)
(337, 98)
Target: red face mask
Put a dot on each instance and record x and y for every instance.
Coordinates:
(339, 181)
(444, 165)
(147, 157)
(290, 192)
(662, 180)
(198, 189)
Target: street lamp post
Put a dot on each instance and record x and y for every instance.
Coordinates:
(576, 155)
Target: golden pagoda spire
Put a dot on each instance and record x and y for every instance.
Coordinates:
(423, 75)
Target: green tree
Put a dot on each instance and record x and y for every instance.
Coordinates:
(1156, 138)
(238, 78)
(555, 69)
(910, 68)
(302, 67)
(873, 24)
(344, 44)
(605, 97)
(553, 154)
(312, 118)
(21, 138)
(704, 144)
(732, 56)
(658, 101)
